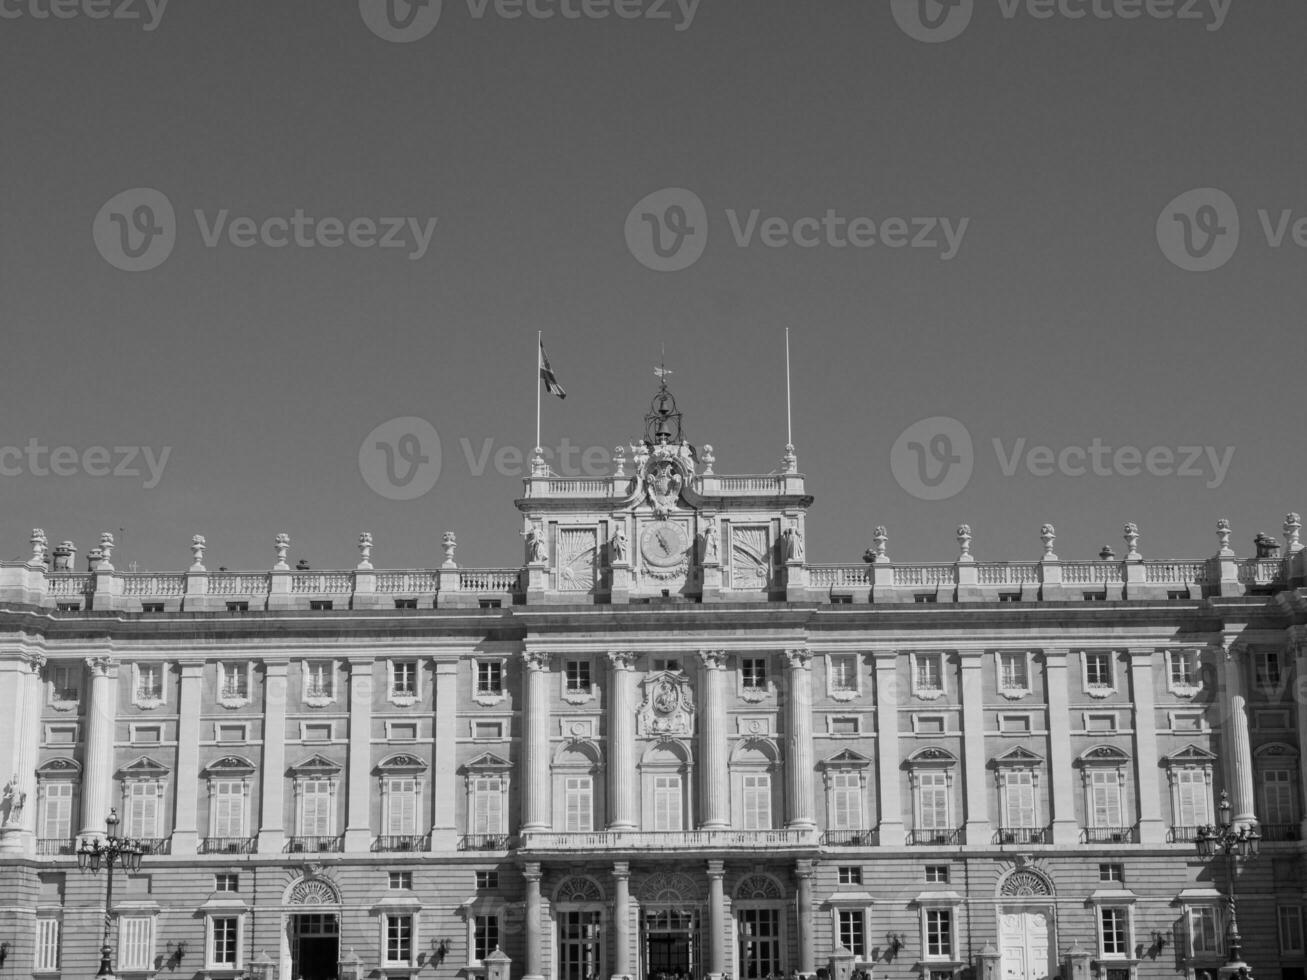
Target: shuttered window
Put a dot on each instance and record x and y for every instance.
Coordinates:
(1019, 798)
(578, 801)
(667, 802)
(845, 801)
(142, 810)
(757, 801)
(487, 805)
(136, 942)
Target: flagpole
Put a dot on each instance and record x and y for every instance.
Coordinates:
(789, 433)
(540, 340)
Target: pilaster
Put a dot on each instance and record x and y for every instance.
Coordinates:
(272, 790)
(444, 758)
(621, 744)
(358, 793)
(888, 789)
(1152, 828)
(975, 785)
(1066, 830)
(799, 799)
(185, 827)
(536, 795)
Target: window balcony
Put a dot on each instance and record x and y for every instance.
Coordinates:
(486, 842)
(850, 838)
(227, 845)
(1280, 831)
(1022, 835)
(402, 842)
(315, 845)
(154, 845)
(1108, 835)
(940, 835)
(1180, 834)
(56, 846)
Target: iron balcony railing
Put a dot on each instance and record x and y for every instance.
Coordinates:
(486, 842)
(1181, 834)
(56, 846)
(314, 845)
(227, 845)
(1108, 835)
(850, 838)
(1022, 835)
(402, 842)
(1280, 831)
(940, 835)
(154, 845)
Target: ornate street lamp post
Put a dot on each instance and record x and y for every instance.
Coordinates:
(113, 851)
(1233, 843)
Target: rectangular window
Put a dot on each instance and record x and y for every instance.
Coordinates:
(1100, 723)
(1014, 673)
(400, 880)
(233, 680)
(490, 677)
(937, 874)
(578, 804)
(404, 678)
(1115, 924)
(147, 734)
(406, 603)
(845, 801)
(929, 724)
(1104, 798)
(490, 603)
(1266, 669)
(853, 932)
(319, 678)
(753, 673)
(1019, 798)
(316, 816)
(578, 676)
(1278, 795)
(1192, 800)
(757, 801)
(65, 680)
(850, 875)
(228, 808)
(664, 663)
(142, 805)
(399, 939)
(1098, 670)
(843, 673)
(932, 801)
(1204, 933)
(403, 731)
(1184, 668)
(485, 936)
(57, 819)
(222, 952)
(238, 606)
(939, 934)
(401, 806)
(667, 802)
(928, 672)
(487, 805)
(149, 685)
(1111, 872)
(47, 945)
(321, 605)
(226, 882)
(151, 607)
(317, 732)
(1291, 934)
(136, 942)
(487, 880)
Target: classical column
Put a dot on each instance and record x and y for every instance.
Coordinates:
(1061, 776)
(185, 826)
(807, 954)
(1297, 653)
(971, 692)
(621, 744)
(799, 801)
(621, 920)
(20, 705)
(97, 777)
(444, 758)
(536, 797)
(358, 786)
(716, 920)
(888, 787)
(531, 872)
(716, 810)
(1152, 828)
(272, 790)
(1238, 747)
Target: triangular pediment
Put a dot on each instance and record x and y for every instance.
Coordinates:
(143, 768)
(847, 759)
(230, 765)
(1191, 755)
(487, 762)
(315, 764)
(1018, 755)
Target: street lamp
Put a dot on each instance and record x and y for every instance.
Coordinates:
(1233, 843)
(111, 852)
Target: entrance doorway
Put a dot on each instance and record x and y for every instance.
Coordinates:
(1026, 939)
(671, 944)
(314, 946)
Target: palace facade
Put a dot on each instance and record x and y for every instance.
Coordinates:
(668, 745)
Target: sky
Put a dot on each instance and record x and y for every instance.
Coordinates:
(280, 266)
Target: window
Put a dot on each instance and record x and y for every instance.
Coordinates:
(490, 603)
(1191, 797)
(151, 607)
(1291, 933)
(1019, 798)
(1204, 931)
(401, 806)
(47, 944)
(485, 936)
(317, 813)
(141, 804)
(321, 605)
(402, 731)
(68, 607)
(65, 681)
(933, 801)
(850, 875)
(667, 802)
(578, 804)
(135, 942)
(404, 678)
(57, 815)
(406, 603)
(1105, 798)
(319, 681)
(490, 677)
(149, 684)
(845, 800)
(1266, 670)
(1111, 872)
(1114, 926)
(1098, 671)
(666, 663)
(927, 674)
(929, 724)
(842, 725)
(226, 882)
(320, 732)
(1278, 796)
(224, 940)
(1183, 670)
(760, 942)
(578, 676)
(400, 880)
(233, 680)
(753, 673)
(842, 674)
(757, 801)
(487, 805)
(399, 939)
(487, 880)
(1013, 672)
(238, 607)
(937, 874)
(853, 931)
(228, 802)
(939, 934)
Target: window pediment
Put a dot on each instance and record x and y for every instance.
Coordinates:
(1191, 755)
(59, 767)
(232, 765)
(1275, 751)
(932, 757)
(316, 766)
(1104, 755)
(487, 762)
(1018, 755)
(401, 763)
(143, 768)
(847, 759)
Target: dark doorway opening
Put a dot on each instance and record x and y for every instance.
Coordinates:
(314, 946)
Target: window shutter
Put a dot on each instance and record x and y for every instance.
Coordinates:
(47, 944)
(757, 801)
(1106, 799)
(402, 798)
(136, 939)
(1191, 798)
(1020, 787)
(58, 824)
(1278, 790)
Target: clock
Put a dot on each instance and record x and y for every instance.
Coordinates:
(663, 544)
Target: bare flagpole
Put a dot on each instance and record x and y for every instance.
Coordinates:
(540, 341)
(789, 431)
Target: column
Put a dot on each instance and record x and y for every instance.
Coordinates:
(536, 796)
(888, 788)
(272, 789)
(20, 704)
(621, 920)
(621, 744)
(716, 810)
(807, 954)
(358, 776)
(716, 920)
(1152, 828)
(1238, 747)
(799, 801)
(444, 758)
(971, 691)
(185, 827)
(1297, 654)
(531, 872)
(1061, 775)
(97, 776)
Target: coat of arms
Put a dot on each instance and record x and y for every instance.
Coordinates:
(663, 481)
(668, 707)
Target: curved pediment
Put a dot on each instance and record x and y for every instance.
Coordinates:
(230, 765)
(931, 755)
(404, 763)
(1104, 755)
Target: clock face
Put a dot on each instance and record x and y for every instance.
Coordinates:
(663, 543)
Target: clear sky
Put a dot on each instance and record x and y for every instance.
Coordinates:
(1061, 317)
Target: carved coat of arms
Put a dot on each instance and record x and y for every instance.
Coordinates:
(668, 707)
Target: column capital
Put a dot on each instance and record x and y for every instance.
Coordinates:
(798, 658)
(713, 659)
(804, 869)
(536, 660)
(360, 661)
(621, 659)
(531, 872)
(102, 666)
(33, 661)
(622, 870)
(716, 869)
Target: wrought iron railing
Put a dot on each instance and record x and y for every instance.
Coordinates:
(850, 838)
(1022, 835)
(940, 835)
(227, 845)
(1108, 835)
(486, 842)
(56, 846)
(402, 842)
(1280, 831)
(314, 845)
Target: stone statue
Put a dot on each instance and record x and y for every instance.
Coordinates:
(793, 544)
(13, 801)
(618, 543)
(535, 545)
(711, 546)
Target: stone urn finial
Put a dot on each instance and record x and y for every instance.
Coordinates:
(619, 461)
(880, 538)
(706, 455)
(282, 544)
(198, 544)
(964, 542)
(538, 465)
(1048, 534)
(1223, 532)
(1131, 535)
(39, 546)
(365, 550)
(1292, 531)
(790, 461)
(450, 543)
(93, 559)
(106, 552)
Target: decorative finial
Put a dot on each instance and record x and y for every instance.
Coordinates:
(450, 544)
(39, 546)
(706, 455)
(619, 461)
(1223, 532)
(538, 465)
(93, 559)
(1292, 530)
(106, 551)
(365, 550)
(198, 544)
(1107, 554)
(282, 544)
(1048, 534)
(964, 542)
(790, 461)
(1131, 534)
(65, 553)
(881, 538)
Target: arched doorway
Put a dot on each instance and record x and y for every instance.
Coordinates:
(1026, 933)
(671, 916)
(759, 910)
(578, 910)
(312, 930)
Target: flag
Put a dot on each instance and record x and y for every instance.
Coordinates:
(547, 375)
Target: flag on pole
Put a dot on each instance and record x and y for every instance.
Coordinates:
(547, 375)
